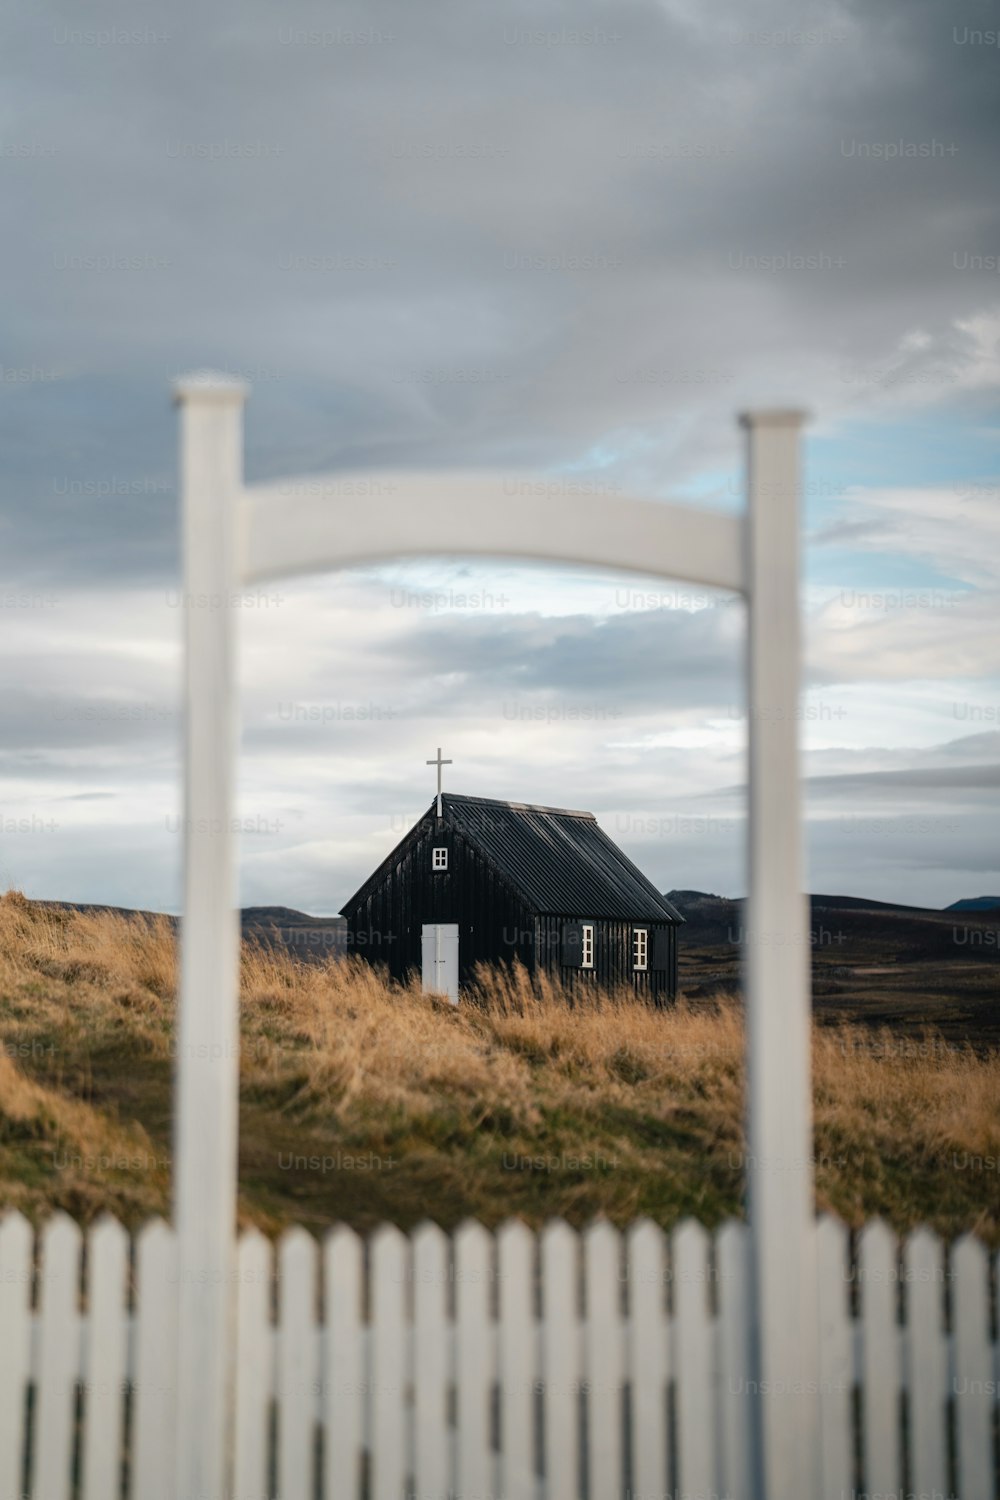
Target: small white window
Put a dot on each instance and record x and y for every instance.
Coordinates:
(640, 947)
(587, 946)
(440, 860)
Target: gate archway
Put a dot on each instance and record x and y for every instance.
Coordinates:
(235, 535)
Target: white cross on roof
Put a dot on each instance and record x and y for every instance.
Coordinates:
(439, 763)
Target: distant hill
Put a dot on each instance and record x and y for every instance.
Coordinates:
(976, 903)
(701, 901)
(872, 961)
(878, 929)
(309, 937)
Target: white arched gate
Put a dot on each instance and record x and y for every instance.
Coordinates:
(236, 535)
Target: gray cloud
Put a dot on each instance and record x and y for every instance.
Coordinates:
(470, 239)
(380, 217)
(955, 779)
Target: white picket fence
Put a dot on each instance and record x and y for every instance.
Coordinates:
(511, 1365)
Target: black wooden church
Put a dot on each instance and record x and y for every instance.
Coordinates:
(479, 881)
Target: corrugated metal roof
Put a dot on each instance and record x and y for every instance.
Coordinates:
(561, 861)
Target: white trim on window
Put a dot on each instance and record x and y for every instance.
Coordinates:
(439, 860)
(586, 945)
(640, 947)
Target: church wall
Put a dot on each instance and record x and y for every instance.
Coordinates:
(495, 926)
(612, 957)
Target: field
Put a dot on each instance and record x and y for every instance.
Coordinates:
(364, 1101)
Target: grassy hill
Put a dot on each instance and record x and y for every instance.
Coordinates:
(309, 937)
(366, 1101)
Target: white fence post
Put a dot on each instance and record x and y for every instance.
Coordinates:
(207, 1071)
(776, 966)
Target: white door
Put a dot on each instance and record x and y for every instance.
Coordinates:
(440, 959)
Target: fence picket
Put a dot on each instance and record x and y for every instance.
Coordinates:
(154, 1383)
(389, 1265)
(646, 1272)
(928, 1364)
(254, 1365)
(736, 1460)
(107, 1357)
(297, 1366)
(561, 1360)
(345, 1384)
(59, 1358)
(973, 1369)
(473, 1369)
(696, 1444)
(431, 1261)
(16, 1275)
(881, 1375)
(384, 1390)
(835, 1360)
(516, 1360)
(605, 1363)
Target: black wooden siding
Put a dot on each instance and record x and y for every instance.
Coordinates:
(494, 924)
(613, 956)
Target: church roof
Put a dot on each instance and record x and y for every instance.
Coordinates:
(561, 861)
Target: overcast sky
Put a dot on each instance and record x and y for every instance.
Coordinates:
(573, 238)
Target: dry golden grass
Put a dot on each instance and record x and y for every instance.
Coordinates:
(366, 1100)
